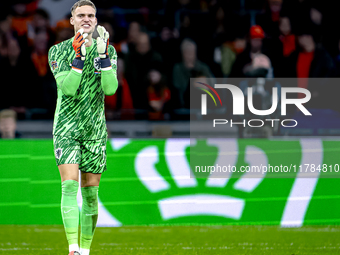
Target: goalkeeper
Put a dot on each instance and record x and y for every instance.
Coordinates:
(85, 71)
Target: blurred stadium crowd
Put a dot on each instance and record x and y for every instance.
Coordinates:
(161, 44)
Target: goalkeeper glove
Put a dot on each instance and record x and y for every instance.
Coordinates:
(102, 42)
(78, 44)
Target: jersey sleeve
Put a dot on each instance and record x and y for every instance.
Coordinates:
(58, 62)
(113, 58)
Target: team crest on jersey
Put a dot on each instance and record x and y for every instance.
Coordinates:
(54, 65)
(96, 63)
(58, 153)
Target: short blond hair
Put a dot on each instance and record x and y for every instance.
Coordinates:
(83, 3)
(8, 113)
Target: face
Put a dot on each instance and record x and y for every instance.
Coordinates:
(40, 42)
(143, 44)
(284, 26)
(154, 76)
(40, 21)
(84, 17)
(275, 5)
(5, 25)
(13, 48)
(256, 44)
(133, 32)
(189, 54)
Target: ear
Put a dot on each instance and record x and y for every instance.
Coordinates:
(71, 21)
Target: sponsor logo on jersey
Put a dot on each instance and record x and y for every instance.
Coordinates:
(54, 65)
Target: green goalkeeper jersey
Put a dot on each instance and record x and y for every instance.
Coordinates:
(82, 116)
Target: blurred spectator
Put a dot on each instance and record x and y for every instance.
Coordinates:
(260, 66)
(120, 105)
(120, 46)
(158, 95)
(22, 13)
(280, 48)
(196, 25)
(316, 18)
(21, 16)
(138, 64)
(311, 61)
(228, 40)
(226, 54)
(220, 18)
(8, 126)
(39, 53)
(64, 30)
(269, 20)
(43, 90)
(217, 31)
(286, 36)
(133, 35)
(262, 94)
(167, 44)
(15, 66)
(245, 59)
(193, 91)
(6, 33)
(40, 23)
(178, 9)
(183, 71)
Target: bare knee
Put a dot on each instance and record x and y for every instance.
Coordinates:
(89, 179)
(69, 172)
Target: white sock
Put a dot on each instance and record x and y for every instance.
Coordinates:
(84, 251)
(73, 247)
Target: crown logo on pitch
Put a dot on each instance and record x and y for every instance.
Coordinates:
(182, 195)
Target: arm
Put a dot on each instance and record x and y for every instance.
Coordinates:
(68, 80)
(108, 61)
(108, 76)
(69, 83)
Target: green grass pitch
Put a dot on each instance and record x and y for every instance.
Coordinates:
(44, 240)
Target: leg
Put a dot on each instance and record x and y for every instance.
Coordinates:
(93, 164)
(69, 174)
(89, 211)
(68, 156)
(90, 179)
